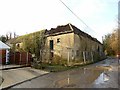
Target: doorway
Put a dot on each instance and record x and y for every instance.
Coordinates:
(51, 45)
(51, 50)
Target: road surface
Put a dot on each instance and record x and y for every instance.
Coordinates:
(103, 74)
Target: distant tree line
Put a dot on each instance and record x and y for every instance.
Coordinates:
(8, 36)
(3, 38)
(111, 43)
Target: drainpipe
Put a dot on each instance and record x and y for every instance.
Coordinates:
(84, 57)
(68, 58)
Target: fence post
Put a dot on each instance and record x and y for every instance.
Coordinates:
(68, 60)
(27, 58)
(68, 79)
(14, 58)
(20, 58)
(84, 57)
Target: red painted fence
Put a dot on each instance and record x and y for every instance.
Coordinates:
(2, 56)
(20, 58)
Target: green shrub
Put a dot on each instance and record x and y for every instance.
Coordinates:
(59, 60)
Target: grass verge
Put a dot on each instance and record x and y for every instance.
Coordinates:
(58, 68)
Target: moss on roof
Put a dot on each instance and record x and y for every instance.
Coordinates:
(21, 38)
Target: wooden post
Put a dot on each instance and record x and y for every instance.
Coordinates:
(20, 59)
(68, 79)
(27, 58)
(84, 57)
(68, 60)
(14, 58)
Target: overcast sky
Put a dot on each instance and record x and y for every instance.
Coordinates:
(26, 16)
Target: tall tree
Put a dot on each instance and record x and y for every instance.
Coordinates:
(34, 43)
(111, 43)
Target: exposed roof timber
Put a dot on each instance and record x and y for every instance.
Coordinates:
(63, 29)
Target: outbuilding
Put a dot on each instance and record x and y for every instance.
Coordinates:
(4, 53)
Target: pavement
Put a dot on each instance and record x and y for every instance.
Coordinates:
(5, 67)
(1, 80)
(11, 75)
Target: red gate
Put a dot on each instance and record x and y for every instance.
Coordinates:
(2, 56)
(20, 58)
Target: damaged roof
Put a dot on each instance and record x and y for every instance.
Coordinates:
(59, 29)
(69, 28)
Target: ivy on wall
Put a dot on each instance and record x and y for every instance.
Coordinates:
(32, 43)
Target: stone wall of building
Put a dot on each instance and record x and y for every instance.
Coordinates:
(72, 46)
(62, 44)
(85, 44)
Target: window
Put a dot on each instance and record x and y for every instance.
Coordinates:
(77, 53)
(58, 40)
(18, 45)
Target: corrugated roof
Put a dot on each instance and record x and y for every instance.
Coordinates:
(3, 46)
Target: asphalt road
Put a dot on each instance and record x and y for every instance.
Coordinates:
(100, 75)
